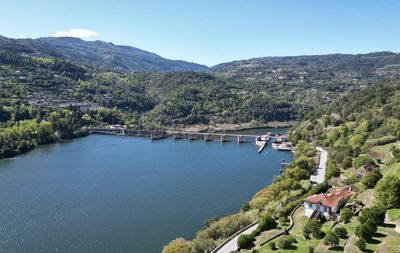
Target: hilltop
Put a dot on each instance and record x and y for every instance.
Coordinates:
(104, 55)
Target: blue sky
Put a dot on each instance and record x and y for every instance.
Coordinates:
(215, 31)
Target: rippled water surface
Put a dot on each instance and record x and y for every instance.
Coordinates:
(124, 194)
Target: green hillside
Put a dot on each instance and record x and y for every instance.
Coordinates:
(356, 129)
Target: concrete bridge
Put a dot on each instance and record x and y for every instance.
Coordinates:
(176, 135)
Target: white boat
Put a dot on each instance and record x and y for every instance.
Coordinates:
(285, 146)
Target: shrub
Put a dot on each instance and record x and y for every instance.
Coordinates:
(310, 249)
(178, 245)
(266, 223)
(351, 180)
(319, 188)
(347, 162)
(331, 170)
(210, 221)
(365, 230)
(313, 226)
(396, 152)
(245, 241)
(272, 245)
(375, 215)
(286, 241)
(282, 220)
(387, 192)
(382, 141)
(345, 215)
(221, 229)
(362, 160)
(361, 244)
(245, 206)
(370, 178)
(331, 239)
(288, 208)
(341, 232)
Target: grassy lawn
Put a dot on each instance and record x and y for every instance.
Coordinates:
(393, 169)
(385, 151)
(390, 240)
(394, 214)
(267, 234)
(349, 173)
(367, 197)
(385, 240)
(302, 244)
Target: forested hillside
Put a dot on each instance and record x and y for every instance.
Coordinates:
(71, 76)
(356, 129)
(257, 94)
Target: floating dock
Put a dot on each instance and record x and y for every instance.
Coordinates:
(263, 145)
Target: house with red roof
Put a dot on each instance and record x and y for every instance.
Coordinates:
(328, 204)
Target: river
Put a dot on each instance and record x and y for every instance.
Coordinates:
(125, 194)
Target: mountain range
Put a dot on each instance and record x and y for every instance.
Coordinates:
(102, 54)
(108, 56)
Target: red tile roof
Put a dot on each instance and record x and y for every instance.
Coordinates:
(332, 197)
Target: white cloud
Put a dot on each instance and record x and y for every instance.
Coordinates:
(77, 33)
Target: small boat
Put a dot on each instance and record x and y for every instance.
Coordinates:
(277, 142)
(285, 146)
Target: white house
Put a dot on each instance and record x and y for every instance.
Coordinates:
(328, 204)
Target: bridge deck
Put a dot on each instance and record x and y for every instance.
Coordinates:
(169, 133)
(215, 134)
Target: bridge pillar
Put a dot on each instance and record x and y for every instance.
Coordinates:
(207, 137)
(222, 138)
(240, 139)
(192, 137)
(176, 136)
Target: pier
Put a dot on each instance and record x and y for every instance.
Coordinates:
(191, 136)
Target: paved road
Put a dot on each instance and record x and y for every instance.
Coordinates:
(232, 244)
(323, 160)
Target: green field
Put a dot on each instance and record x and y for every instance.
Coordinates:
(394, 214)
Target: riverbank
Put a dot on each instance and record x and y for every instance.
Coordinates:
(194, 128)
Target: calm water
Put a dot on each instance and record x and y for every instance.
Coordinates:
(124, 194)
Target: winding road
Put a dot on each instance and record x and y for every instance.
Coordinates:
(231, 245)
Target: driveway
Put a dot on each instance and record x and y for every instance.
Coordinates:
(319, 177)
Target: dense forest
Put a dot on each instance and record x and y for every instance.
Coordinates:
(276, 90)
(36, 83)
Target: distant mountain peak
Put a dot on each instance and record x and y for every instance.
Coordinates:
(103, 54)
